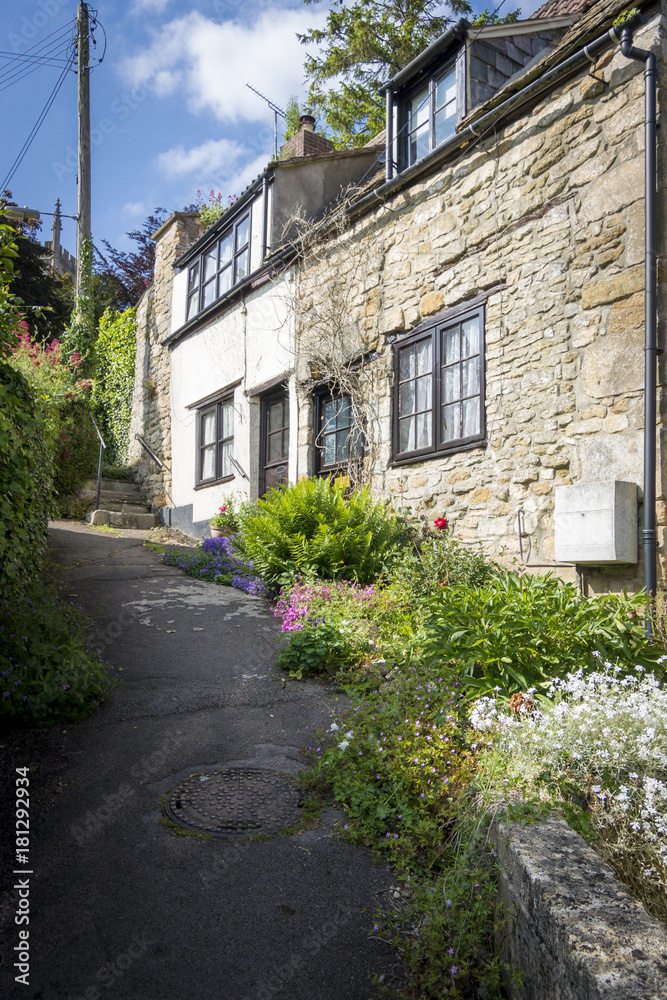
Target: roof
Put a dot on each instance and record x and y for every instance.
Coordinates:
(554, 8)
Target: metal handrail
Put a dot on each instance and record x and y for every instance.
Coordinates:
(103, 448)
(138, 437)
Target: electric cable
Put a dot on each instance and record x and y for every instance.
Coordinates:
(15, 69)
(36, 127)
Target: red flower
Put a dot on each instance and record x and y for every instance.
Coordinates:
(440, 523)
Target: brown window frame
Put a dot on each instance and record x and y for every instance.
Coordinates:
(321, 397)
(434, 332)
(216, 407)
(265, 403)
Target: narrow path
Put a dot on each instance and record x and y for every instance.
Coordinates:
(121, 907)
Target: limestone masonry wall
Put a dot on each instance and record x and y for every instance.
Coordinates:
(546, 217)
(151, 417)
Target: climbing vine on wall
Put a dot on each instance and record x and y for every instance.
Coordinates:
(112, 394)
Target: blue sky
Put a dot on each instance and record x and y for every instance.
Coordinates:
(170, 112)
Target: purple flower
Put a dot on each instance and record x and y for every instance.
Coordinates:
(454, 970)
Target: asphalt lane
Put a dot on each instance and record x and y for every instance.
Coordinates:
(121, 906)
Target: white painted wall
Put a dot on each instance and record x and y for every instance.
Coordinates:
(250, 342)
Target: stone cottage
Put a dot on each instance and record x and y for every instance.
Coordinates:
(455, 316)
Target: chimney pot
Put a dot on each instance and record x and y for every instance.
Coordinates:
(307, 123)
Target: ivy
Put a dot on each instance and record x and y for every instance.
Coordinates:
(112, 394)
(80, 337)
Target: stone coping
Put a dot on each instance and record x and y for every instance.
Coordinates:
(573, 930)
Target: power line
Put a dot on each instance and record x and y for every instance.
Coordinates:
(16, 69)
(36, 127)
(10, 77)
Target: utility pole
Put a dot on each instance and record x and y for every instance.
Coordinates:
(83, 179)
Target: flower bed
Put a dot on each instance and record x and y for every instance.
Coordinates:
(217, 562)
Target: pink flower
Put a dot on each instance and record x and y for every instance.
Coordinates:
(440, 523)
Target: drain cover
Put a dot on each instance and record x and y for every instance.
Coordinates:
(235, 802)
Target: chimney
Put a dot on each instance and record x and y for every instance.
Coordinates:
(306, 142)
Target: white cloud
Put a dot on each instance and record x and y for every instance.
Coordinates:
(212, 62)
(154, 6)
(134, 208)
(209, 158)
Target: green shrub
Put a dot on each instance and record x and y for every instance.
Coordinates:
(437, 561)
(77, 452)
(48, 673)
(313, 530)
(114, 379)
(517, 632)
(317, 649)
(27, 443)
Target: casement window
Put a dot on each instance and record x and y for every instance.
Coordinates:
(275, 441)
(338, 439)
(427, 116)
(220, 267)
(439, 388)
(215, 441)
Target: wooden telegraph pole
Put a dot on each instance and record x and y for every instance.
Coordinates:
(83, 179)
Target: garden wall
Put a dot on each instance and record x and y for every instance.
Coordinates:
(573, 930)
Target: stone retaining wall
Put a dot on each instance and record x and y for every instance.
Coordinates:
(573, 931)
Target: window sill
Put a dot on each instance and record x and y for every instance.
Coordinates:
(431, 455)
(215, 482)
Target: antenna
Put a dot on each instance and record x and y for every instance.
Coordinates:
(276, 111)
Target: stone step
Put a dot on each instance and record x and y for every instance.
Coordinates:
(113, 486)
(135, 505)
(123, 519)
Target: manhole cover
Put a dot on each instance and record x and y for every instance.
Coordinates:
(235, 802)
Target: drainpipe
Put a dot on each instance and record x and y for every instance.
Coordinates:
(650, 343)
(389, 137)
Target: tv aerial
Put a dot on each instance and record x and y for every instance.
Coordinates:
(276, 111)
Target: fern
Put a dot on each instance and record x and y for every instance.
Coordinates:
(312, 529)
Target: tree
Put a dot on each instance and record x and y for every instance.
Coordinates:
(47, 297)
(121, 276)
(364, 43)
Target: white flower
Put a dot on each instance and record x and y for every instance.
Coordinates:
(344, 745)
(333, 727)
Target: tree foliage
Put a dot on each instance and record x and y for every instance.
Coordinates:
(364, 43)
(123, 276)
(46, 296)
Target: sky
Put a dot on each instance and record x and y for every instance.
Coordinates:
(170, 112)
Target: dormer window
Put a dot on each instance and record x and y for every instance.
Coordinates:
(430, 115)
(220, 267)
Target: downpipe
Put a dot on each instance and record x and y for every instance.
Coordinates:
(649, 533)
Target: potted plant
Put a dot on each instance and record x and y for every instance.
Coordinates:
(225, 521)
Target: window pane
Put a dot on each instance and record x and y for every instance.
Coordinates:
(445, 90)
(424, 356)
(424, 387)
(471, 424)
(451, 416)
(275, 447)
(242, 265)
(285, 444)
(406, 431)
(193, 278)
(451, 384)
(243, 233)
(329, 415)
(471, 343)
(445, 123)
(227, 420)
(424, 425)
(407, 363)
(419, 143)
(419, 109)
(208, 462)
(344, 411)
(276, 416)
(208, 428)
(226, 467)
(406, 399)
(329, 449)
(451, 345)
(193, 304)
(225, 280)
(209, 293)
(343, 441)
(210, 263)
(226, 249)
(471, 376)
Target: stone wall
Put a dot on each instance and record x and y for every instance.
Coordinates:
(545, 217)
(571, 929)
(151, 405)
